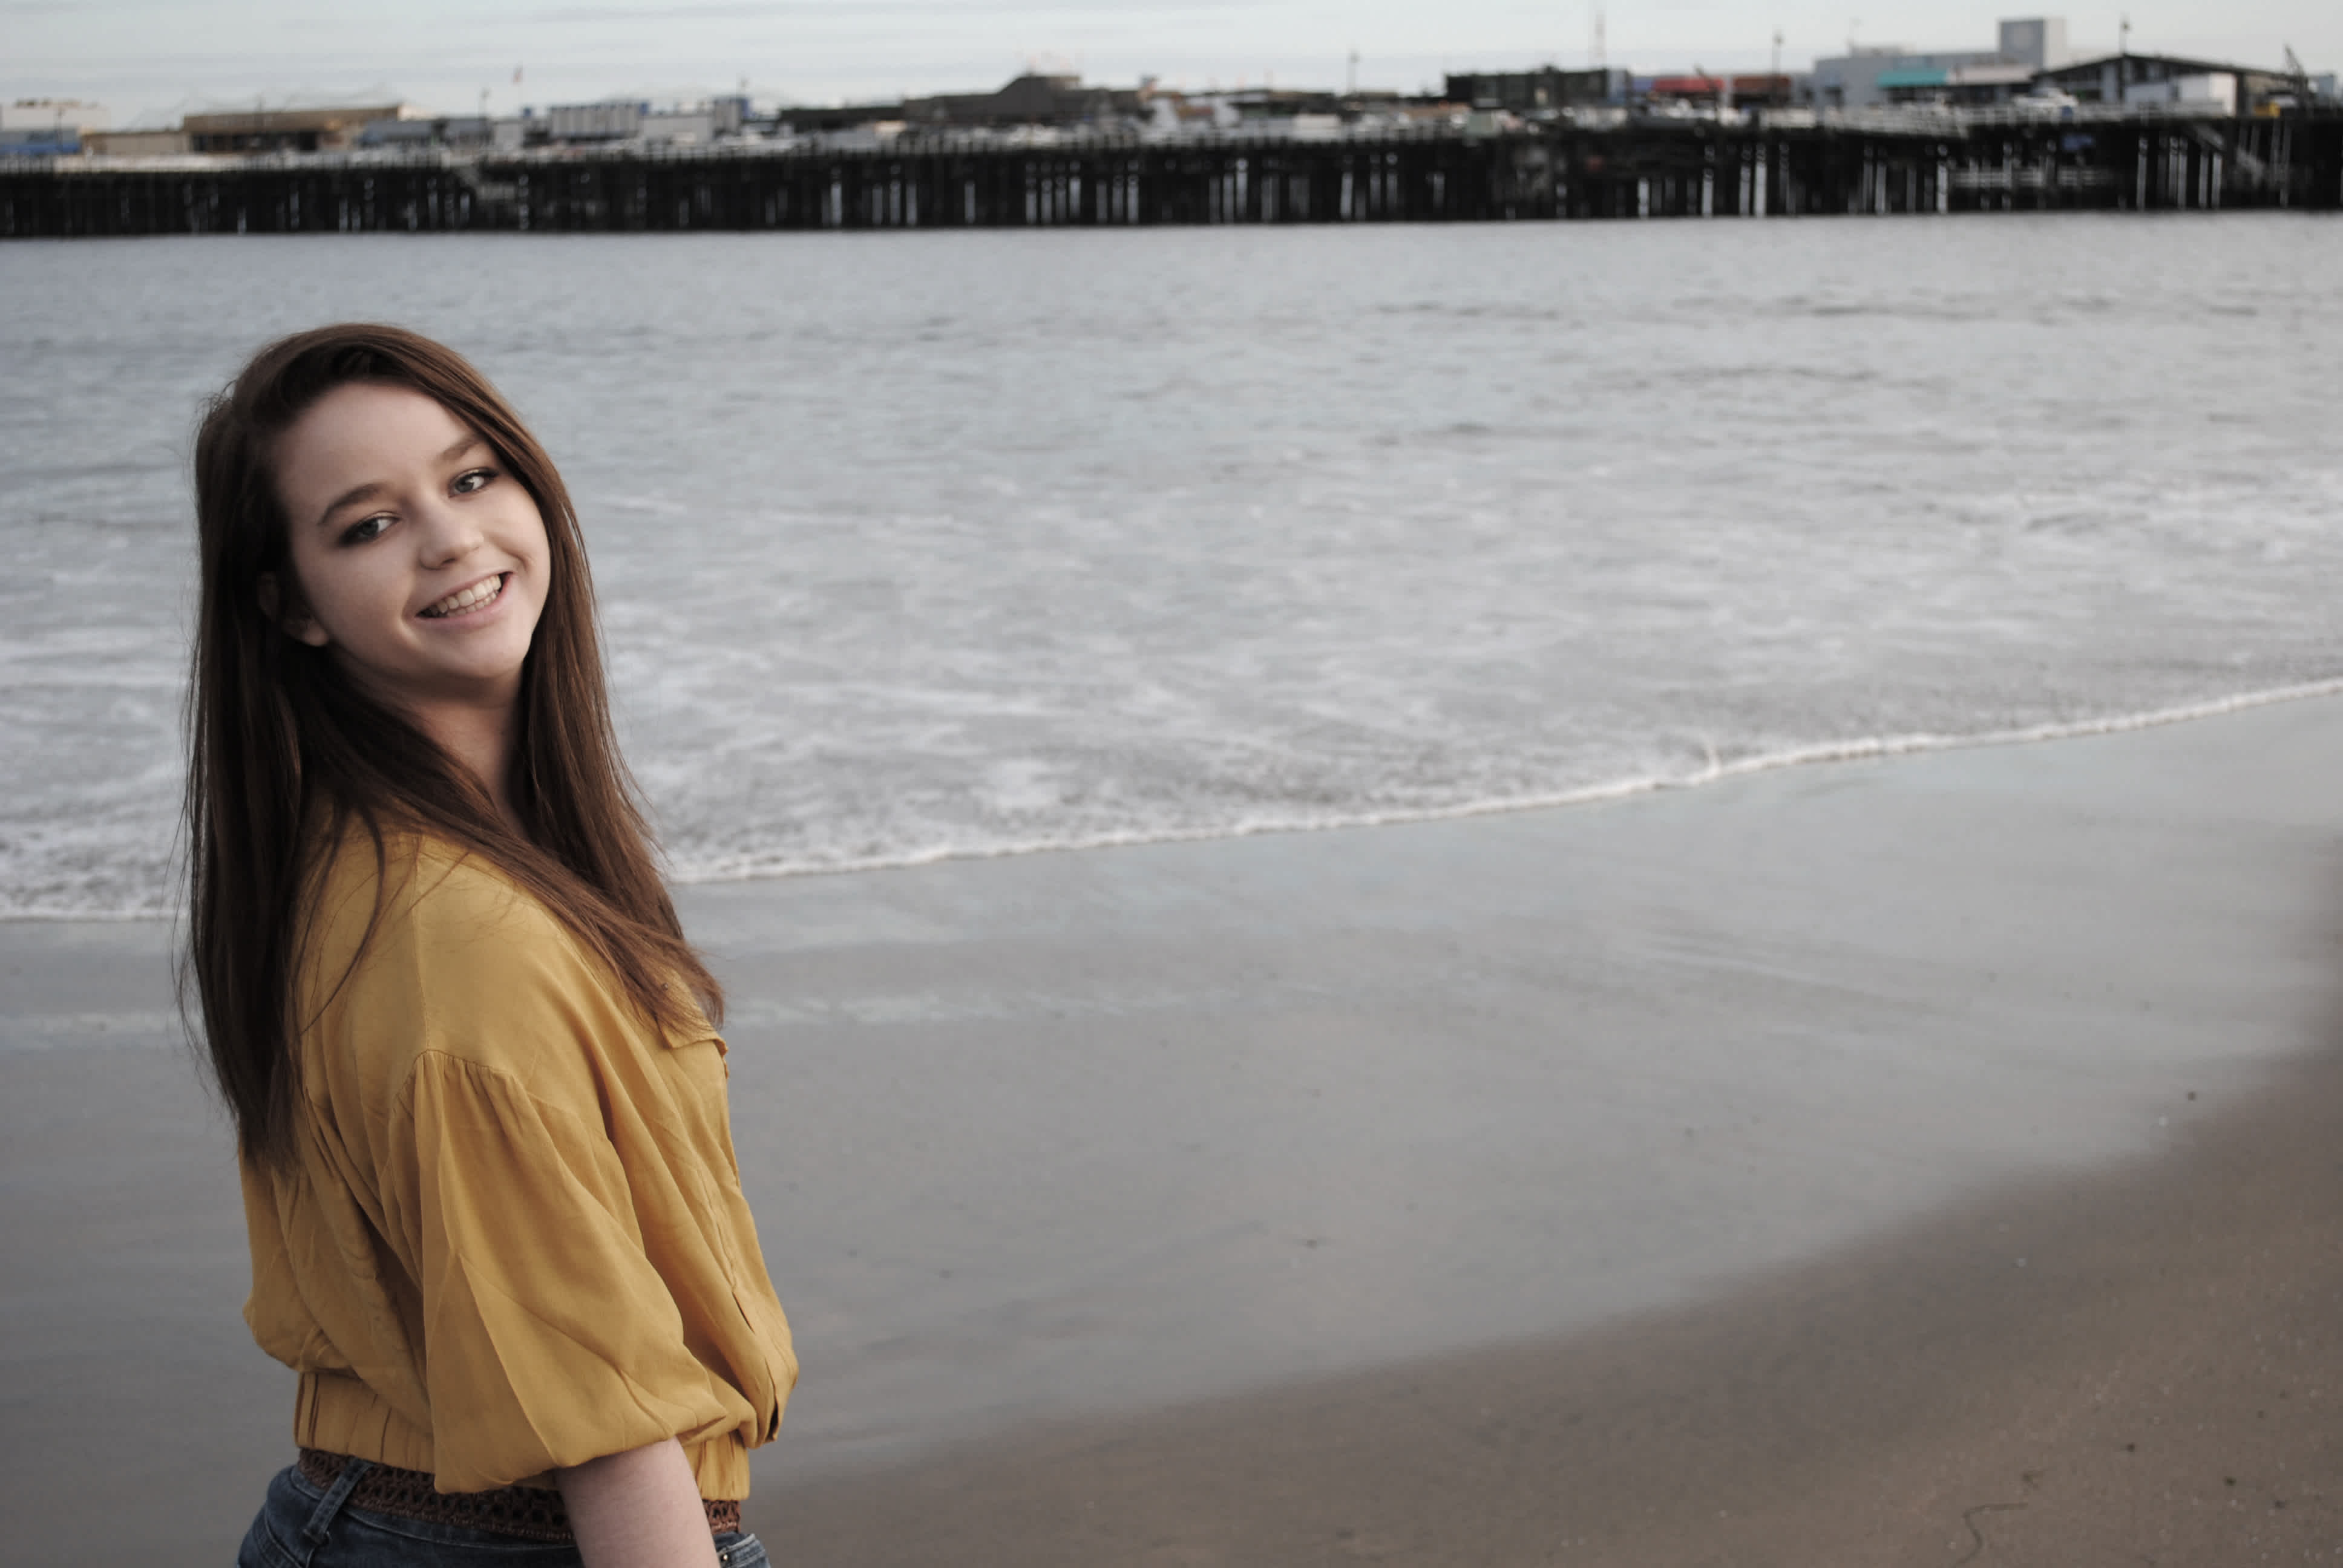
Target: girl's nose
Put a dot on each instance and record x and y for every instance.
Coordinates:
(450, 535)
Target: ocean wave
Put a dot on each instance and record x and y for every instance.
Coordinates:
(1222, 550)
(685, 870)
(1857, 749)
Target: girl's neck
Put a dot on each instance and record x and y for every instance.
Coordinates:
(481, 736)
(482, 741)
(477, 726)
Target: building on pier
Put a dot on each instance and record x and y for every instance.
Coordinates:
(1877, 74)
(1715, 95)
(289, 130)
(2128, 78)
(829, 119)
(462, 132)
(1958, 86)
(1062, 105)
(44, 128)
(577, 124)
(1032, 99)
(138, 144)
(628, 120)
(1547, 87)
(1562, 168)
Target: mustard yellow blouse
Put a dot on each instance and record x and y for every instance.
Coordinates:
(513, 1238)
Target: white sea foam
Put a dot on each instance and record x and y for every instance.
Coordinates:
(923, 547)
(1863, 749)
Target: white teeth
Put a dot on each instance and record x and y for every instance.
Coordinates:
(465, 599)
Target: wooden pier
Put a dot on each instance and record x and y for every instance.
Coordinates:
(1646, 169)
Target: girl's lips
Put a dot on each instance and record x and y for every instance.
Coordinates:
(469, 599)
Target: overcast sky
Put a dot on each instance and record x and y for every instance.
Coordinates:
(151, 59)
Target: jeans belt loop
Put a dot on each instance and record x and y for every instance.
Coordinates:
(314, 1533)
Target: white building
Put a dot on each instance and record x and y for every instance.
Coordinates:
(2214, 90)
(52, 115)
(47, 124)
(594, 122)
(2036, 41)
(682, 125)
(683, 128)
(1873, 74)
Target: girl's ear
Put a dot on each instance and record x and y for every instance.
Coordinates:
(293, 623)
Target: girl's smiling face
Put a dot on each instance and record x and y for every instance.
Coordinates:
(421, 562)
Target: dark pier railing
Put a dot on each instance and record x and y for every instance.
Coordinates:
(1643, 169)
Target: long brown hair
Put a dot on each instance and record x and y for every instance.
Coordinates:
(285, 751)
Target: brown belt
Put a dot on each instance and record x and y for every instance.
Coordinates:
(528, 1512)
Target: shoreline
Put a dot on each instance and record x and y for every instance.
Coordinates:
(1818, 754)
(1213, 1182)
(1824, 753)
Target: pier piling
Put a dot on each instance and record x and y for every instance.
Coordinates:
(1641, 170)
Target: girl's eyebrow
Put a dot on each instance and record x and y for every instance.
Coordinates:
(374, 487)
(351, 496)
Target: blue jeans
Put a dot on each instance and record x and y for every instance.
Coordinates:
(304, 1526)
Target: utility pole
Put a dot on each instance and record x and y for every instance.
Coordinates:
(1594, 53)
(1351, 77)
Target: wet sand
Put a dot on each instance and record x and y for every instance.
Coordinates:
(2145, 1367)
(1919, 1161)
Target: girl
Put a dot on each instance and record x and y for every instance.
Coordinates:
(495, 1218)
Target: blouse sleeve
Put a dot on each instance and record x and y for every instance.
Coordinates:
(548, 1337)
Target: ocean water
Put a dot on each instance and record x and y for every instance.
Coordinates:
(923, 545)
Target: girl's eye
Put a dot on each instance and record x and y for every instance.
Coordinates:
(365, 529)
(473, 480)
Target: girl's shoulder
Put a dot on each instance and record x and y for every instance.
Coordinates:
(417, 946)
(396, 884)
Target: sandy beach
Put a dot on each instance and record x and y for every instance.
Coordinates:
(1923, 1160)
